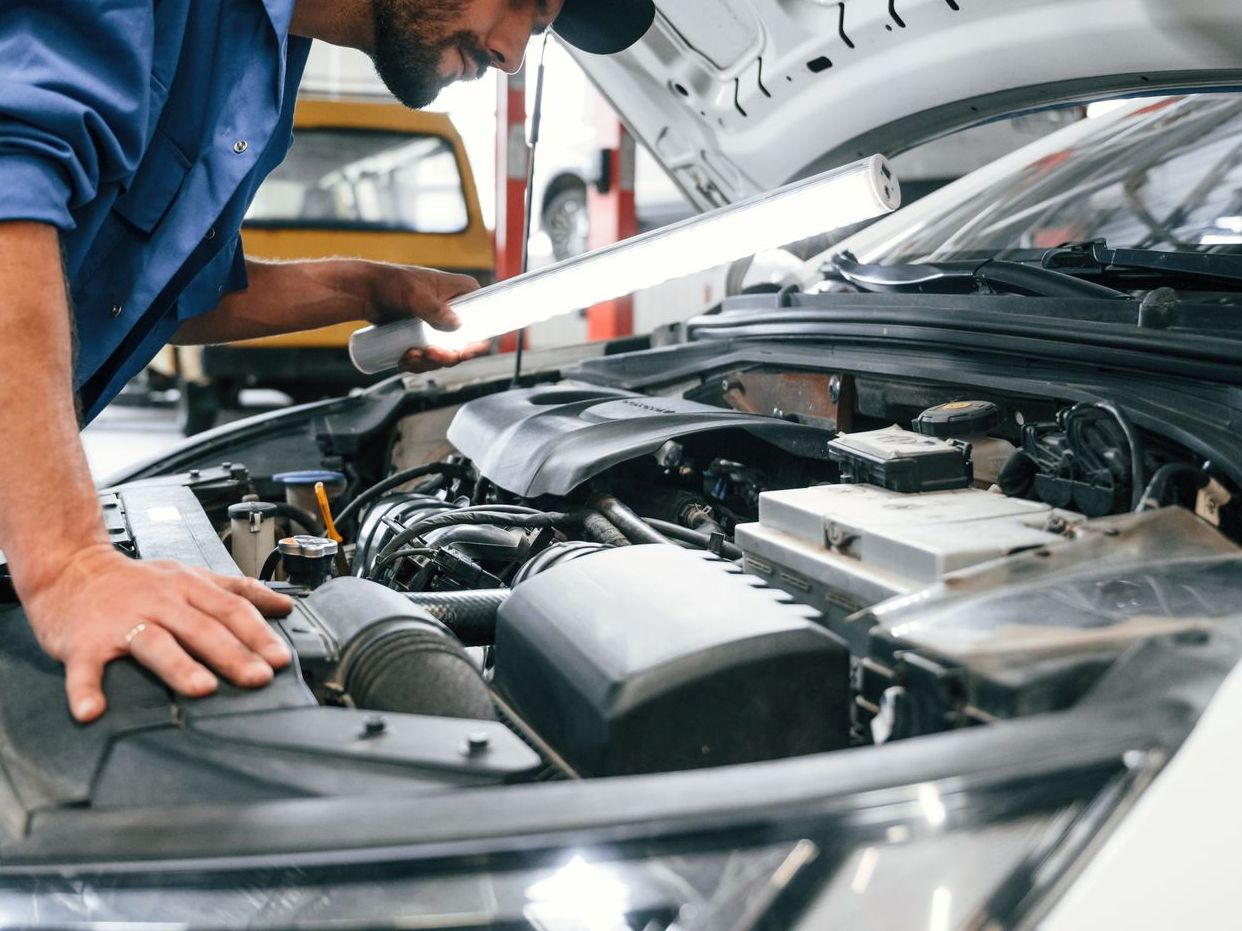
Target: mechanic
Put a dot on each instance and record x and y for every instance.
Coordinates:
(133, 136)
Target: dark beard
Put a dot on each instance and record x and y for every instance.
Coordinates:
(411, 37)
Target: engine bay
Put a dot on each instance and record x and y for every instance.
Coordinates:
(593, 581)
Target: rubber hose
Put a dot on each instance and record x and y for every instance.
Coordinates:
(471, 616)
(625, 520)
(555, 555)
(298, 516)
(500, 515)
(1153, 495)
(414, 668)
(392, 481)
(695, 538)
(269, 565)
(599, 529)
(1138, 481)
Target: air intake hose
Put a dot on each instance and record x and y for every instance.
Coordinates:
(412, 667)
(394, 656)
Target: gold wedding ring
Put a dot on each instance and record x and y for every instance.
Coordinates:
(134, 632)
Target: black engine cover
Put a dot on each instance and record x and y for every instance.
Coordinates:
(655, 658)
(549, 440)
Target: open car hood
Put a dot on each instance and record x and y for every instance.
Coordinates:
(739, 96)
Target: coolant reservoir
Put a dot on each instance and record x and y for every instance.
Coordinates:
(989, 456)
(971, 422)
(252, 527)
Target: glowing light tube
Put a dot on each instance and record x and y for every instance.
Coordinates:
(826, 202)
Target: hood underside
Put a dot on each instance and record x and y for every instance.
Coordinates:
(735, 97)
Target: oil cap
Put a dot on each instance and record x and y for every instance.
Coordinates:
(959, 420)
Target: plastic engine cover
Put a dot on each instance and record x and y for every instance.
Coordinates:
(655, 658)
(549, 440)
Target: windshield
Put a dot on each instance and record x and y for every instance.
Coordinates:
(353, 179)
(1168, 176)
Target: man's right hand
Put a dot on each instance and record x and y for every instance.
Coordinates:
(179, 623)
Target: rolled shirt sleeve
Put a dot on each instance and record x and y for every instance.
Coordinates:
(75, 85)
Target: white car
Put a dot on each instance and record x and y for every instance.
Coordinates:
(904, 596)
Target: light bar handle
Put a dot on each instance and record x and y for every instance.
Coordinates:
(377, 349)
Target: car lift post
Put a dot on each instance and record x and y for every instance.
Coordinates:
(511, 155)
(612, 215)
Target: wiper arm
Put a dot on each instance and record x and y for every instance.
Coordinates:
(990, 277)
(1097, 259)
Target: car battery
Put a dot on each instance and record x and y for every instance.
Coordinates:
(843, 548)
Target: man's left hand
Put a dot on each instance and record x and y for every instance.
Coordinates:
(402, 291)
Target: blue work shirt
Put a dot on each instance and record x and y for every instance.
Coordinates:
(142, 129)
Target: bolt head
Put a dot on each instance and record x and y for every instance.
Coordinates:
(476, 743)
(374, 725)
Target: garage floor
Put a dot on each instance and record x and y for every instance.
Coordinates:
(121, 436)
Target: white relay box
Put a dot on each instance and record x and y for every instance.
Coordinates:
(841, 548)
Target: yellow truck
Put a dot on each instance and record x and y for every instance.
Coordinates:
(367, 179)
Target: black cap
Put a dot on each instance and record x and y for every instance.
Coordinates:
(604, 27)
(959, 419)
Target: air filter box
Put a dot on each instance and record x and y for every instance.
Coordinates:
(655, 658)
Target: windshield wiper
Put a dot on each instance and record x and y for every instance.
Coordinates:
(992, 276)
(1097, 260)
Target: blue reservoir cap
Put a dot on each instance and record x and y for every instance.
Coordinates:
(309, 478)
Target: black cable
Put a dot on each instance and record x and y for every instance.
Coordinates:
(1133, 440)
(695, 538)
(385, 561)
(536, 117)
(397, 478)
(505, 518)
(1153, 494)
(269, 565)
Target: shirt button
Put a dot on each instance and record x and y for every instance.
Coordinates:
(240, 146)
(211, 234)
(117, 310)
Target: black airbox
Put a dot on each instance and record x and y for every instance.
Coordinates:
(655, 658)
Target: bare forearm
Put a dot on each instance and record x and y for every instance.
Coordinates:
(284, 297)
(47, 499)
(288, 296)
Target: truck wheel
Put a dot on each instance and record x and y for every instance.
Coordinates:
(198, 409)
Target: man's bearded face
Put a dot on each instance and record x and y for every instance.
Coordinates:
(417, 44)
